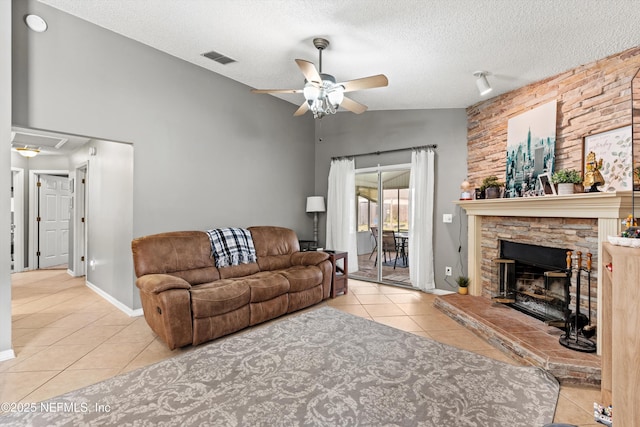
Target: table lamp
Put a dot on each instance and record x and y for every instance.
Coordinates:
(315, 204)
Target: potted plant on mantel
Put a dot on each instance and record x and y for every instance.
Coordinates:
(463, 285)
(491, 187)
(566, 179)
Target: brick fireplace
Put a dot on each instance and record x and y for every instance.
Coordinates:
(580, 222)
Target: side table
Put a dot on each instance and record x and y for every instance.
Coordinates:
(307, 245)
(339, 274)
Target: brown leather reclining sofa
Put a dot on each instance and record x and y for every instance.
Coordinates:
(187, 300)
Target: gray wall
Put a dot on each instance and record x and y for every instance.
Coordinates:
(109, 216)
(347, 134)
(5, 186)
(208, 153)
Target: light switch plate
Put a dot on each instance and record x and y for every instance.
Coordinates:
(447, 218)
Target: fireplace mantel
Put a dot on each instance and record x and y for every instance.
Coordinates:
(582, 205)
(607, 207)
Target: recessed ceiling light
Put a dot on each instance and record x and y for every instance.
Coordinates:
(36, 23)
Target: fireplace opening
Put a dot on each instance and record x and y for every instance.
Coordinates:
(533, 279)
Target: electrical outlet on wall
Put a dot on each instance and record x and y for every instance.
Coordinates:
(447, 218)
(448, 271)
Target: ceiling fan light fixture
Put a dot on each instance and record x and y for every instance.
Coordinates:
(311, 92)
(481, 81)
(336, 96)
(322, 95)
(27, 152)
(325, 99)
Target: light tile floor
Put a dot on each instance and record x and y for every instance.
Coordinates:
(65, 337)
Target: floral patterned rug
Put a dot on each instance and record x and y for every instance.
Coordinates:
(322, 367)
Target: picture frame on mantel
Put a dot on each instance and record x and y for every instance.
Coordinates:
(546, 186)
(614, 148)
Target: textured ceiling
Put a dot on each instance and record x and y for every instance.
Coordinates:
(427, 48)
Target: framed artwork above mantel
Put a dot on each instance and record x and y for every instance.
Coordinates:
(531, 142)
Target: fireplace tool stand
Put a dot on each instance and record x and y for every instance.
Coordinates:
(575, 336)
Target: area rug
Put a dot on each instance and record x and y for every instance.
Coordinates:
(320, 368)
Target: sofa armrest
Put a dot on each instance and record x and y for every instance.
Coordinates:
(157, 283)
(308, 258)
(166, 303)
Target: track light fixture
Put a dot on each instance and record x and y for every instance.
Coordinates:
(483, 84)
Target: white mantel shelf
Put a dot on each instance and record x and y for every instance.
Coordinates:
(582, 205)
(607, 208)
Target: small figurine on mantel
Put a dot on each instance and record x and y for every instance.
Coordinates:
(466, 190)
(593, 177)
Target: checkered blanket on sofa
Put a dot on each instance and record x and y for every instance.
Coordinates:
(232, 246)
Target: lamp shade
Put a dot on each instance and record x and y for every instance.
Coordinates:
(315, 204)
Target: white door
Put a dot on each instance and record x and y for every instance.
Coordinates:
(53, 225)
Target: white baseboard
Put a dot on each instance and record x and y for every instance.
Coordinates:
(120, 306)
(6, 355)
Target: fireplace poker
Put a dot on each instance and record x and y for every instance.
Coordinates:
(567, 285)
(589, 330)
(577, 315)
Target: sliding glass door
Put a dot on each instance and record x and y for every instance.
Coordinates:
(383, 224)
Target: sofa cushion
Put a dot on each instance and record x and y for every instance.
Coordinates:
(186, 254)
(302, 277)
(274, 246)
(219, 297)
(238, 270)
(267, 285)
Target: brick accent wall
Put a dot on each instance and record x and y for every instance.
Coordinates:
(575, 234)
(591, 99)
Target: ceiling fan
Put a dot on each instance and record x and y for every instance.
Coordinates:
(322, 94)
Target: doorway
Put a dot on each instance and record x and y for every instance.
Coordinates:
(53, 212)
(79, 186)
(17, 220)
(383, 224)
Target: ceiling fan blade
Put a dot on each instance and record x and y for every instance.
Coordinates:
(309, 70)
(276, 90)
(353, 106)
(303, 109)
(370, 82)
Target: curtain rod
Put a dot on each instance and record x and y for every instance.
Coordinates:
(377, 153)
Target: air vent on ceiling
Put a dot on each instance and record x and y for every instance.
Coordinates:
(218, 57)
(37, 140)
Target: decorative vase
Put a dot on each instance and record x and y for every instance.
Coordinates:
(463, 291)
(492, 192)
(565, 188)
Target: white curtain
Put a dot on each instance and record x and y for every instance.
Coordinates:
(341, 210)
(421, 189)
